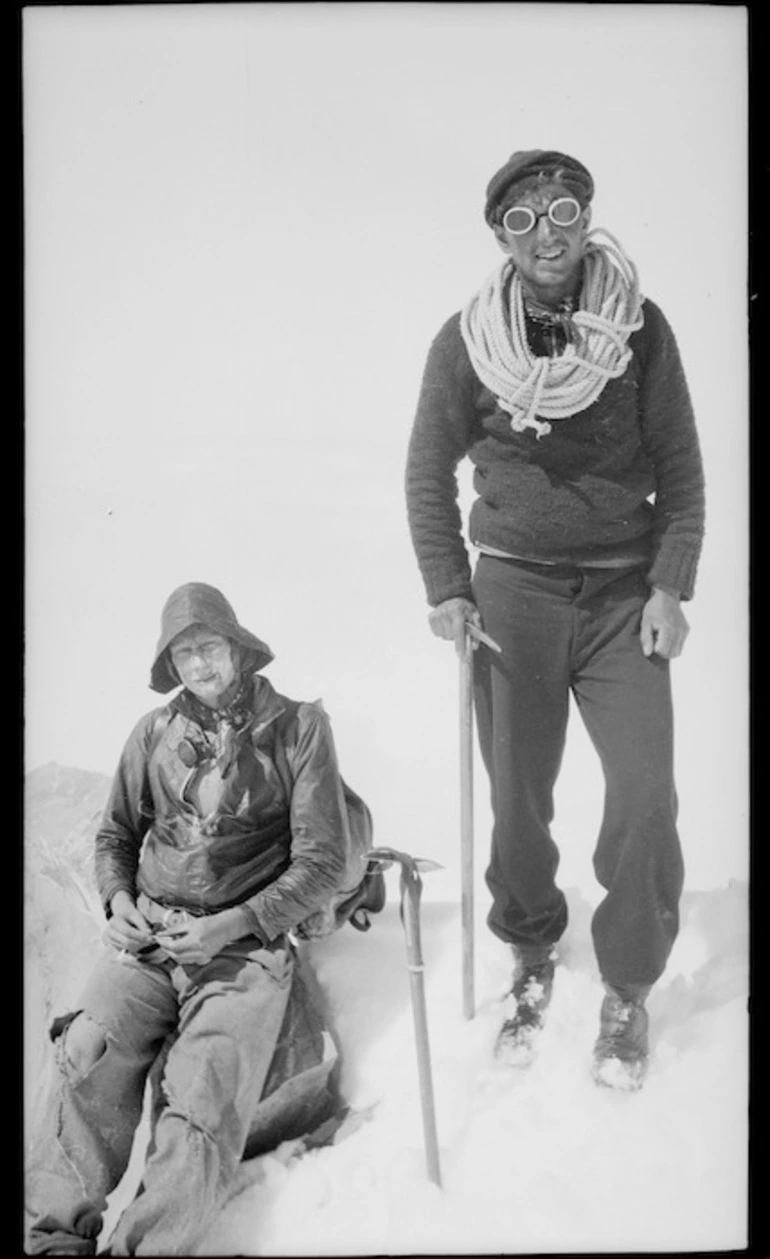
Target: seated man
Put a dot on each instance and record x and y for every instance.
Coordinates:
(226, 828)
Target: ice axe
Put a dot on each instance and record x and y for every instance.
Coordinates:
(411, 889)
(472, 632)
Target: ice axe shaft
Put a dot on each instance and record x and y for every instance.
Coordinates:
(466, 809)
(411, 890)
(466, 826)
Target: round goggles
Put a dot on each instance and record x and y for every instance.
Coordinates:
(562, 212)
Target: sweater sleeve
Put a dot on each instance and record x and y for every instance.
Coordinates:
(439, 440)
(127, 816)
(671, 442)
(320, 834)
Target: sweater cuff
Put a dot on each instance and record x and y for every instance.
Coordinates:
(674, 569)
(439, 590)
(111, 889)
(255, 926)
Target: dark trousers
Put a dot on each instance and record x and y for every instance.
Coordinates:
(567, 630)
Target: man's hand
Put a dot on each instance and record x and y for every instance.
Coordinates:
(127, 928)
(664, 627)
(197, 940)
(449, 618)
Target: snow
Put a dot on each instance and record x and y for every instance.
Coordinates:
(535, 1160)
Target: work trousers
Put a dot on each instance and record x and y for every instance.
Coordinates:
(565, 629)
(227, 1015)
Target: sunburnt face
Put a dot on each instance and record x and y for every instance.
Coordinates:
(205, 662)
(548, 256)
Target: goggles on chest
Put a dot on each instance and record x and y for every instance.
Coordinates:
(562, 212)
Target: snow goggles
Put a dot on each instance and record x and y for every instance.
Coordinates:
(562, 212)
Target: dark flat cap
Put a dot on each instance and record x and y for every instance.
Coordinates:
(528, 162)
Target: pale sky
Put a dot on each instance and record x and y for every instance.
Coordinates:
(244, 225)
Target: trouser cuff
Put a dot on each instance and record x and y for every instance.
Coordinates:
(533, 954)
(637, 993)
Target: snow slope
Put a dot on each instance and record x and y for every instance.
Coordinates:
(532, 1161)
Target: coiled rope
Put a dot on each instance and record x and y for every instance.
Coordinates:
(494, 330)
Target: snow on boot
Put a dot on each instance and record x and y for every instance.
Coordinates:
(621, 1051)
(525, 1008)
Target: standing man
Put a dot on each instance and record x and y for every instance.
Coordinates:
(564, 387)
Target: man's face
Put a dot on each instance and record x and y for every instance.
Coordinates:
(548, 256)
(205, 663)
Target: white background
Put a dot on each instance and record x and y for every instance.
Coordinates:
(244, 224)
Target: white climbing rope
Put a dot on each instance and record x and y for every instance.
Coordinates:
(528, 386)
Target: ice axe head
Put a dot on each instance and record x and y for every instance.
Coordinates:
(426, 864)
(410, 885)
(411, 867)
(386, 857)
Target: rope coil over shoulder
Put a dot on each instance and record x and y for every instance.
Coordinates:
(527, 386)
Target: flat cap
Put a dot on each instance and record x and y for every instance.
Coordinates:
(522, 164)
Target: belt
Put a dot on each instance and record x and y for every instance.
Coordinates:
(617, 562)
(169, 915)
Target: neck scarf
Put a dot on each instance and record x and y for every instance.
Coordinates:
(493, 328)
(556, 328)
(222, 730)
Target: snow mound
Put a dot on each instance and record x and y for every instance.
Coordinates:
(533, 1160)
(538, 1160)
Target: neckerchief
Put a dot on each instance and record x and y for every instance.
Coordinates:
(557, 326)
(223, 730)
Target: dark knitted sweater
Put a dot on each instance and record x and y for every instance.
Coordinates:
(622, 479)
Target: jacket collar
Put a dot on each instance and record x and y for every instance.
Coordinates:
(258, 712)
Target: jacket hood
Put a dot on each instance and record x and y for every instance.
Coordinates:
(198, 604)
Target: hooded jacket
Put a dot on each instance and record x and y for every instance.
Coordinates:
(278, 840)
